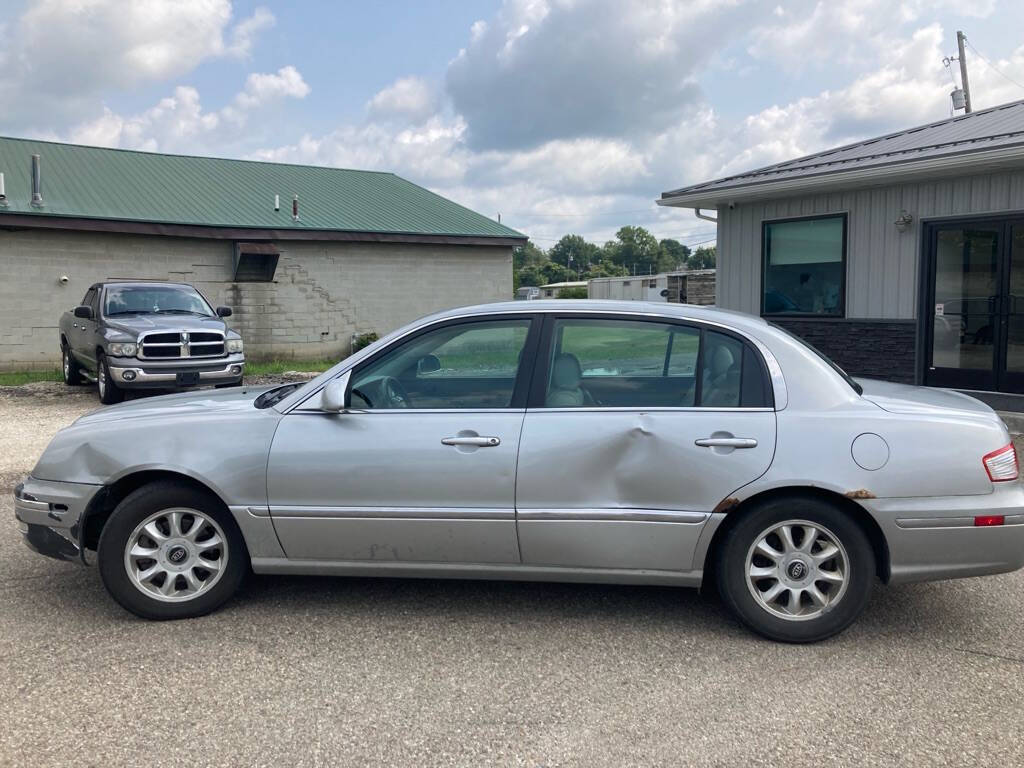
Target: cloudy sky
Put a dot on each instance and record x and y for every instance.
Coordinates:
(562, 115)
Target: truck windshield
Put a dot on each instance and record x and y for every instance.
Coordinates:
(154, 300)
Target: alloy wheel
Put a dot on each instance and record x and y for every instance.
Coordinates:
(797, 570)
(174, 555)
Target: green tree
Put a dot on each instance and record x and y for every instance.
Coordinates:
(634, 248)
(674, 255)
(574, 252)
(605, 268)
(573, 293)
(527, 255)
(703, 258)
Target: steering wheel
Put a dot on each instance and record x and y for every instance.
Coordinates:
(394, 393)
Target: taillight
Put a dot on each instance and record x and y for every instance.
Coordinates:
(1001, 465)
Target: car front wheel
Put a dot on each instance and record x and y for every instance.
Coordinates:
(69, 367)
(171, 552)
(796, 569)
(109, 392)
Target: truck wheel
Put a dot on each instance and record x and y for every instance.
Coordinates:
(109, 391)
(796, 569)
(171, 551)
(69, 366)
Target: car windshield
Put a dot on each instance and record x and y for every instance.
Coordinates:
(154, 300)
(846, 377)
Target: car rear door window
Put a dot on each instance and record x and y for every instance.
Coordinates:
(645, 364)
(624, 363)
(466, 366)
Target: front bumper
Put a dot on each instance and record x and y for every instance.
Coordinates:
(931, 538)
(130, 373)
(50, 514)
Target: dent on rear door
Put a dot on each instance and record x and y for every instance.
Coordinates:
(630, 489)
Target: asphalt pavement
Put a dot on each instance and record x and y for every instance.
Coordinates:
(318, 671)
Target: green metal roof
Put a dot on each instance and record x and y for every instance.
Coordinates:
(125, 185)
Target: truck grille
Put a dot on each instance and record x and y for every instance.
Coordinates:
(181, 344)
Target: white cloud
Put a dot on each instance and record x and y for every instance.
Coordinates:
(60, 56)
(179, 123)
(245, 32)
(263, 88)
(563, 115)
(174, 121)
(408, 97)
(558, 69)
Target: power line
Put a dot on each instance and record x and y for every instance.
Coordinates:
(992, 66)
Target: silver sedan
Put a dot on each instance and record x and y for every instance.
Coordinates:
(555, 440)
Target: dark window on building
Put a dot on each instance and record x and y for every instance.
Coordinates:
(255, 262)
(804, 266)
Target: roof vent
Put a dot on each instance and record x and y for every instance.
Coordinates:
(3, 192)
(37, 182)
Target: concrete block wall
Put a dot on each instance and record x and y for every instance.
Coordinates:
(323, 292)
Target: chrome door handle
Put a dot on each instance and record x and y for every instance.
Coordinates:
(726, 442)
(482, 442)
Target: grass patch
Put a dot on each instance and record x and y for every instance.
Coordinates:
(264, 367)
(17, 378)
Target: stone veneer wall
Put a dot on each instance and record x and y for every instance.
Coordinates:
(876, 349)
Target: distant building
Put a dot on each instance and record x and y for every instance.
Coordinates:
(550, 291)
(901, 257)
(696, 286)
(364, 251)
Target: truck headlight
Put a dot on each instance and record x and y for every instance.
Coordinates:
(119, 349)
(234, 345)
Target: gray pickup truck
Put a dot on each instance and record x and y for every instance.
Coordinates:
(138, 335)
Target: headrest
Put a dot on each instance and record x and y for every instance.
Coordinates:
(566, 373)
(721, 360)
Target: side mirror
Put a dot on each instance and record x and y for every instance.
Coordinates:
(334, 398)
(84, 312)
(428, 364)
(224, 312)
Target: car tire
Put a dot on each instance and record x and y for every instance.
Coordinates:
(796, 569)
(70, 368)
(140, 552)
(109, 392)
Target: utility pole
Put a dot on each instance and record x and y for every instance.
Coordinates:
(960, 39)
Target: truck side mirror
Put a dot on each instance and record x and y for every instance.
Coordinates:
(84, 312)
(224, 312)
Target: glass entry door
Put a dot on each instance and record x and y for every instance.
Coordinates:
(975, 327)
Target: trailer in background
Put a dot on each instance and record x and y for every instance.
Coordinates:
(695, 286)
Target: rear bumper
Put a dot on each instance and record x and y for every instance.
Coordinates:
(49, 515)
(128, 373)
(931, 538)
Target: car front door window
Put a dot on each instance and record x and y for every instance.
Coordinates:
(465, 366)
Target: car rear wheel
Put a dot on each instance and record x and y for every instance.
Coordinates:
(69, 367)
(171, 552)
(110, 393)
(796, 569)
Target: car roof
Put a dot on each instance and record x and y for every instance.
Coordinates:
(660, 308)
